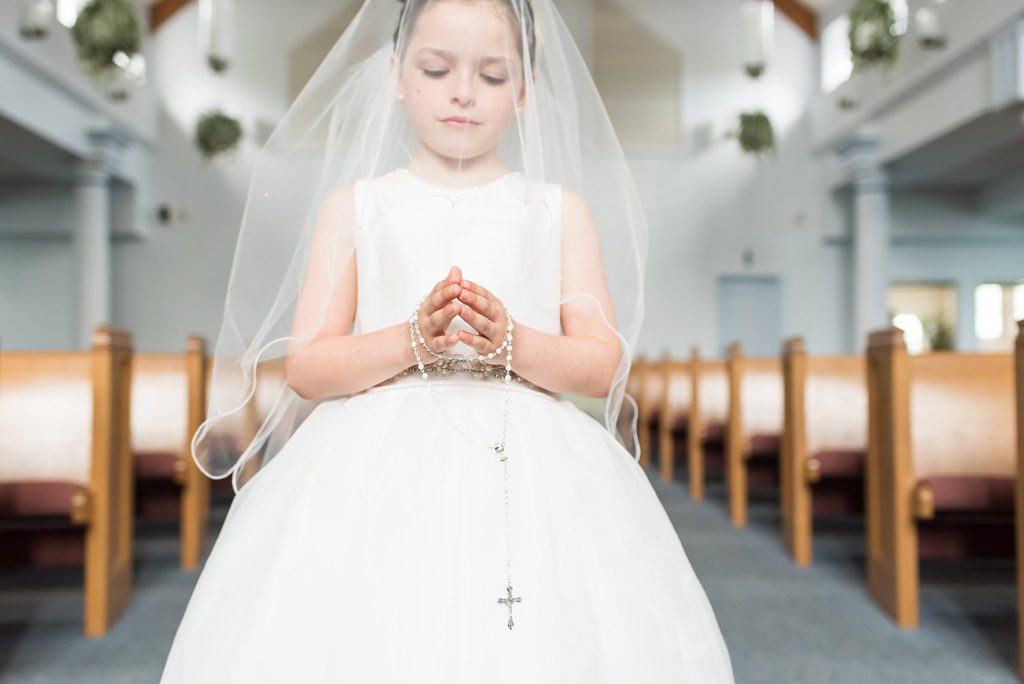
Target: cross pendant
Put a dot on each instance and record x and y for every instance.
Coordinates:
(500, 450)
(508, 602)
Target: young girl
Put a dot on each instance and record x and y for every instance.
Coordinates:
(421, 503)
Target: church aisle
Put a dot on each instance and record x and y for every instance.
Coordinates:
(818, 624)
(782, 623)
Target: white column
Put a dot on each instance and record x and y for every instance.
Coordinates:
(870, 232)
(92, 233)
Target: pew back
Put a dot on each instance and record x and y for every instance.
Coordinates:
(825, 411)
(712, 392)
(39, 393)
(835, 404)
(677, 393)
(651, 390)
(677, 390)
(160, 403)
(961, 410)
(761, 396)
(940, 414)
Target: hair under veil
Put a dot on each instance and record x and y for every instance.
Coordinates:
(346, 127)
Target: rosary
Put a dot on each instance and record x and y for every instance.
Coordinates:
(498, 447)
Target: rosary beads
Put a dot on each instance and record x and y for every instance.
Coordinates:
(416, 340)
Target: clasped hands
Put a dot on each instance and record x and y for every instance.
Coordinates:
(474, 304)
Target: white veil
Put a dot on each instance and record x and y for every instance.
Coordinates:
(346, 125)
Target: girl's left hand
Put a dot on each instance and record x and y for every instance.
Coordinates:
(486, 314)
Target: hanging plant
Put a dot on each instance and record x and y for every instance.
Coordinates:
(756, 135)
(873, 37)
(108, 41)
(103, 29)
(217, 133)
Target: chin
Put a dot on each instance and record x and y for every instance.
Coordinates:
(455, 149)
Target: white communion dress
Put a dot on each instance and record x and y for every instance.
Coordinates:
(372, 547)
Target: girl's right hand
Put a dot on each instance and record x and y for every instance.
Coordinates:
(438, 311)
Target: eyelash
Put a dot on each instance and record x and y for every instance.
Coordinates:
(440, 73)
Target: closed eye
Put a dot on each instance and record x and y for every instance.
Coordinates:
(441, 73)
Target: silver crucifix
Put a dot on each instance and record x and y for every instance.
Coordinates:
(500, 450)
(508, 602)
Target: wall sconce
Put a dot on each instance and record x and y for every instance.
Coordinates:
(216, 32)
(36, 18)
(928, 26)
(757, 30)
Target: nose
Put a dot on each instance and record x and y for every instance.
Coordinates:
(463, 92)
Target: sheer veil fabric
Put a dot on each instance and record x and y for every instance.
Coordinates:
(349, 124)
(370, 541)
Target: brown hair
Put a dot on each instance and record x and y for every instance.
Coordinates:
(412, 11)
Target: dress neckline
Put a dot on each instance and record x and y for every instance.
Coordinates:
(447, 188)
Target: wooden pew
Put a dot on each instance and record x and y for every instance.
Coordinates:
(270, 381)
(168, 404)
(649, 380)
(677, 391)
(65, 458)
(232, 432)
(824, 442)
(708, 417)
(754, 426)
(627, 415)
(1018, 366)
(940, 444)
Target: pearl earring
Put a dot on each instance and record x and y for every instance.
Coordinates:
(401, 97)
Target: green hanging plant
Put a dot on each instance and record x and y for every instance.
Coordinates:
(756, 135)
(873, 37)
(103, 29)
(217, 133)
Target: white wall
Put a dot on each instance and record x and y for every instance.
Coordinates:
(708, 203)
(174, 283)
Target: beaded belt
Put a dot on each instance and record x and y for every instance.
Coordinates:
(470, 368)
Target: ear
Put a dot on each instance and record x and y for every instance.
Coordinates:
(521, 102)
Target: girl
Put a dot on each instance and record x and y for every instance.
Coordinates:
(421, 502)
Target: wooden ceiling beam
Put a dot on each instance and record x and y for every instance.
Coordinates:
(161, 11)
(800, 14)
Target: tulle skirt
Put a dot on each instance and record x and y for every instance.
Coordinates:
(372, 549)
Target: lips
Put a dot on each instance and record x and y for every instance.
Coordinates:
(459, 121)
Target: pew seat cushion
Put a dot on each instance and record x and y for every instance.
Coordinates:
(972, 493)
(44, 498)
(762, 444)
(680, 424)
(841, 462)
(155, 465)
(714, 432)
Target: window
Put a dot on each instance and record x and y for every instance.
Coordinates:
(836, 62)
(902, 14)
(913, 332)
(997, 307)
(639, 77)
(988, 312)
(926, 312)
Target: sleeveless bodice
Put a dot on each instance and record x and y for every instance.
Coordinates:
(410, 233)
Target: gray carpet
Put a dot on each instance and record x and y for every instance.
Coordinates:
(782, 623)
